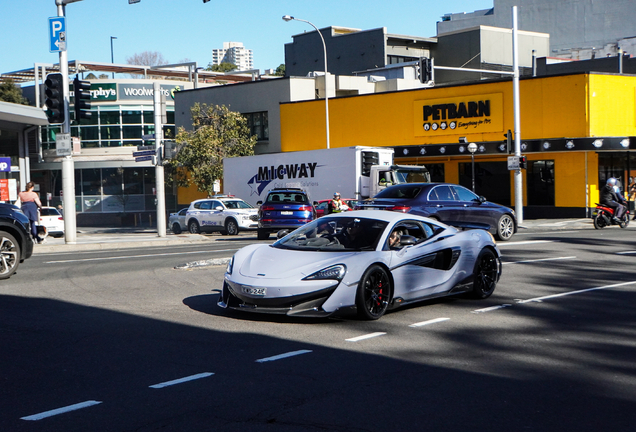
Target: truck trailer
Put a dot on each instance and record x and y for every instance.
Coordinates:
(355, 172)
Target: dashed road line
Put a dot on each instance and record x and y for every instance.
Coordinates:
(540, 259)
(527, 242)
(540, 299)
(282, 356)
(62, 410)
(138, 256)
(181, 380)
(491, 308)
(626, 253)
(367, 336)
(432, 321)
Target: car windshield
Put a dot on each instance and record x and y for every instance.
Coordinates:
(400, 191)
(49, 212)
(331, 234)
(238, 204)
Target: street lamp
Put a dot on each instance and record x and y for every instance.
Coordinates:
(112, 58)
(324, 47)
(472, 148)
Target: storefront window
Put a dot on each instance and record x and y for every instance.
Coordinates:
(91, 182)
(492, 180)
(131, 117)
(540, 183)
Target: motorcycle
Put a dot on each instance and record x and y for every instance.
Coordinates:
(605, 217)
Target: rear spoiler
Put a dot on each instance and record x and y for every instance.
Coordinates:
(468, 225)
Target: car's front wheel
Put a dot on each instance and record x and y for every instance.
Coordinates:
(176, 228)
(9, 255)
(374, 293)
(193, 227)
(231, 227)
(485, 274)
(505, 227)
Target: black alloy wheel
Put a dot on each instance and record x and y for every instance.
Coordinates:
(485, 274)
(9, 255)
(193, 226)
(231, 227)
(374, 293)
(505, 227)
(599, 221)
(176, 228)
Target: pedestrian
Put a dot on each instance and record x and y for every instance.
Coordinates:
(336, 204)
(30, 202)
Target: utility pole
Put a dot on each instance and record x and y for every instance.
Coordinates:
(517, 122)
(159, 176)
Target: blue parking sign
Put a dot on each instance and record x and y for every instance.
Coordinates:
(57, 34)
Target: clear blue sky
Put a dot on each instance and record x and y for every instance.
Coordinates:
(189, 29)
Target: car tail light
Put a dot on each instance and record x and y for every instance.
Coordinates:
(60, 218)
(268, 208)
(304, 208)
(403, 209)
(267, 220)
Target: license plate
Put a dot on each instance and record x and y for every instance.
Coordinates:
(286, 213)
(254, 291)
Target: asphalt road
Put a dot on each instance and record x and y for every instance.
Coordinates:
(122, 341)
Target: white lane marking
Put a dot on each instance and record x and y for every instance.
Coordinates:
(282, 356)
(433, 321)
(363, 337)
(62, 410)
(499, 244)
(626, 253)
(540, 259)
(540, 299)
(546, 232)
(182, 380)
(139, 256)
(491, 308)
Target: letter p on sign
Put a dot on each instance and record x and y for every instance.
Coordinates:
(5, 164)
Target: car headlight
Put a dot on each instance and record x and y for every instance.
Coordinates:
(230, 265)
(336, 272)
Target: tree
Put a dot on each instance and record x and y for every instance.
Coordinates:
(217, 133)
(223, 67)
(146, 58)
(280, 70)
(9, 92)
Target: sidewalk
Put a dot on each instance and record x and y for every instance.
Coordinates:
(120, 238)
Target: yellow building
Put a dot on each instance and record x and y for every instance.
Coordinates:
(576, 131)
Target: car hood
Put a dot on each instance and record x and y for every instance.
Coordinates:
(266, 262)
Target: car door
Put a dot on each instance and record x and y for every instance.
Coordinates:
(421, 270)
(216, 216)
(203, 213)
(443, 204)
(471, 206)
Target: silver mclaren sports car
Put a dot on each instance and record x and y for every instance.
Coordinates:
(364, 261)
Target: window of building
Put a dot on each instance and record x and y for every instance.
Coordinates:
(540, 183)
(393, 59)
(258, 124)
(492, 180)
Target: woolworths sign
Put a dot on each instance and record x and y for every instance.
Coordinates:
(136, 92)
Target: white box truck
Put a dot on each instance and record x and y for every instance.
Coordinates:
(355, 172)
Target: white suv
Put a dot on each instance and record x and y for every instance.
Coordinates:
(222, 213)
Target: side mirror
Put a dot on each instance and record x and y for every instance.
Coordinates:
(315, 203)
(482, 199)
(282, 233)
(218, 208)
(407, 240)
(259, 203)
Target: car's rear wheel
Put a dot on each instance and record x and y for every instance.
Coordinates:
(193, 227)
(176, 228)
(374, 293)
(262, 234)
(231, 227)
(9, 255)
(485, 274)
(505, 227)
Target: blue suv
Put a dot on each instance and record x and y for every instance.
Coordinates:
(287, 208)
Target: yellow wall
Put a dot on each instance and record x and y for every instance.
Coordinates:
(612, 101)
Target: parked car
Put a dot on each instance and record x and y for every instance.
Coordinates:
(448, 203)
(52, 220)
(322, 208)
(223, 213)
(285, 208)
(367, 261)
(16, 244)
(177, 221)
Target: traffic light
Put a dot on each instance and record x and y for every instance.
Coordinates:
(425, 70)
(82, 99)
(509, 146)
(54, 85)
(523, 162)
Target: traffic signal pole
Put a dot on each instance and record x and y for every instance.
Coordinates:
(68, 165)
(159, 175)
(518, 176)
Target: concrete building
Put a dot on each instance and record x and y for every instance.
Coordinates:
(235, 53)
(578, 29)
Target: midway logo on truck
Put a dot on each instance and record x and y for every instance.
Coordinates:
(267, 174)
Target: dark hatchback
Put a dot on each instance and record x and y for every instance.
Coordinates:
(287, 208)
(445, 202)
(15, 239)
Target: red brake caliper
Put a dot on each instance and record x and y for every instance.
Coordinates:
(380, 293)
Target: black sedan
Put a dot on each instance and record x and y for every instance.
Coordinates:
(15, 240)
(445, 202)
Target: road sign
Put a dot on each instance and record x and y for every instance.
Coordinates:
(145, 147)
(57, 34)
(144, 153)
(513, 163)
(5, 164)
(143, 158)
(63, 144)
(148, 137)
